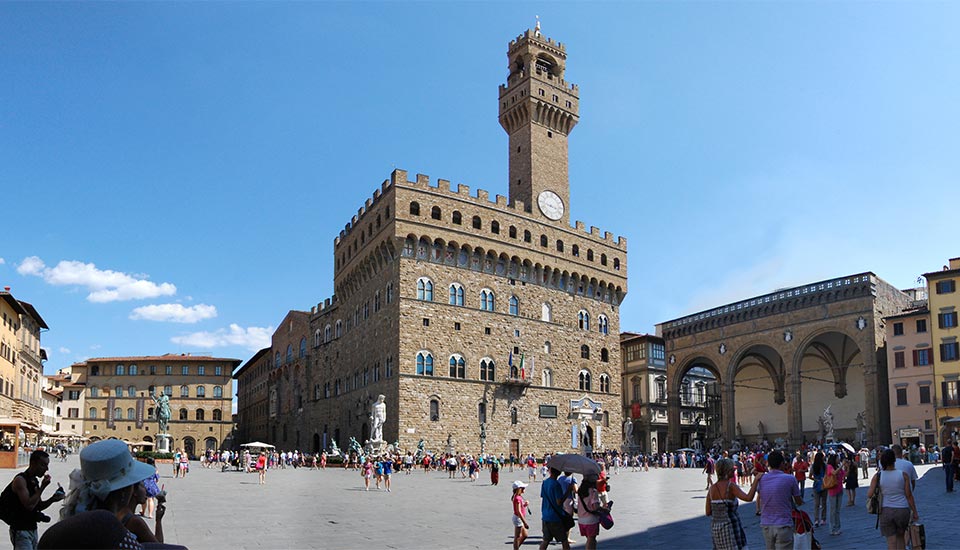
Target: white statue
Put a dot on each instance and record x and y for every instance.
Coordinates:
(739, 431)
(828, 424)
(378, 415)
(628, 432)
(584, 436)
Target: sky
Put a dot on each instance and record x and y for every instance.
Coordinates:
(173, 175)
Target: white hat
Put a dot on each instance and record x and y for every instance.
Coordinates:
(109, 465)
(519, 484)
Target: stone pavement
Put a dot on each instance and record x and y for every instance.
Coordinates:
(330, 509)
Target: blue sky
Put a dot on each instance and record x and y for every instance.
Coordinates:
(173, 174)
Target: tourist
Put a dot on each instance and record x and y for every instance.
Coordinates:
(494, 471)
(603, 486)
(551, 512)
(852, 482)
(800, 468)
(184, 464)
(520, 511)
(817, 471)
(148, 507)
(864, 457)
(723, 498)
(836, 472)
(780, 492)
(367, 473)
(531, 468)
(134, 523)
(905, 465)
(896, 500)
(262, 468)
(946, 457)
(176, 463)
(28, 504)
(708, 469)
(387, 467)
(378, 472)
(588, 506)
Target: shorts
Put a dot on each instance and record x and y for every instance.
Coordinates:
(553, 530)
(517, 522)
(894, 521)
(589, 529)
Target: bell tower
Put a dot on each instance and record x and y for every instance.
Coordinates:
(538, 110)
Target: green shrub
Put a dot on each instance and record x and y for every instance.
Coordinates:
(153, 455)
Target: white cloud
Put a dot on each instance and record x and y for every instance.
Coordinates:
(2, 261)
(104, 285)
(95, 346)
(174, 313)
(252, 338)
(64, 351)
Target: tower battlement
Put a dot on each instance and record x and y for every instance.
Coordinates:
(531, 34)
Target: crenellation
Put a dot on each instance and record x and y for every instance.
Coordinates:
(580, 226)
(368, 203)
(423, 179)
(502, 201)
(463, 189)
(398, 176)
(443, 185)
(520, 206)
(483, 195)
(595, 231)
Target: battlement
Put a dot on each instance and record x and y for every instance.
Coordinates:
(559, 82)
(531, 34)
(361, 212)
(482, 197)
(325, 305)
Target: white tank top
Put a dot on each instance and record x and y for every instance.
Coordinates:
(891, 484)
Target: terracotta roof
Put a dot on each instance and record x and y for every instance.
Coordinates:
(170, 357)
(32, 311)
(14, 303)
(910, 313)
(944, 273)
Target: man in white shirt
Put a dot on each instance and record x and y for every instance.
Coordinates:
(905, 466)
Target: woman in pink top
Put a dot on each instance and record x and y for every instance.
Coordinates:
(834, 493)
(520, 506)
(367, 472)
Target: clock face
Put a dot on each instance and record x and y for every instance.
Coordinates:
(551, 205)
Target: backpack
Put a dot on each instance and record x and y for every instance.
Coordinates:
(10, 508)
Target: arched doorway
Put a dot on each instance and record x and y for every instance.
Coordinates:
(189, 446)
(759, 410)
(210, 444)
(695, 412)
(831, 374)
(316, 443)
(364, 433)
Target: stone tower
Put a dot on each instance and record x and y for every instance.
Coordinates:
(538, 109)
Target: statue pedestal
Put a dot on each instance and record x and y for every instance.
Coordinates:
(164, 443)
(375, 447)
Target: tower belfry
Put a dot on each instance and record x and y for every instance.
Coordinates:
(538, 110)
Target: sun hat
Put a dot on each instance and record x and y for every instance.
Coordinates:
(519, 484)
(108, 465)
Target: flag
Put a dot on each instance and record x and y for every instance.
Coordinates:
(521, 367)
(510, 359)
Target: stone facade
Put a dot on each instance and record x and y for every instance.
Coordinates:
(425, 274)
(21, 362)
(781, 358)
(252, 403)
(118, 401)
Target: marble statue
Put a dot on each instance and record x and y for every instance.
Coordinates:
(828, 424)
(628, 432)
(861, 422)
(739, 431)
(821, 429)
(163, 411)
(356, 448)
(762, 432)
(334, 450)
(419, 454)
(584, 436)
(653, 444)
(378, 415)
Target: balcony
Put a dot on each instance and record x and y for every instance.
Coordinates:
(951, 401)
(522, 381)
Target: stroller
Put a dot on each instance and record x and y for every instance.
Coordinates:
(803, 526)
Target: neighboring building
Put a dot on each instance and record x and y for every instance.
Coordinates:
(49, 401)
(28, 404)
(910, 367)
(118, 403)
(944, 303)
(72, 404)
(782, 358)
(486, 324)
(252, 381)
(11, 310)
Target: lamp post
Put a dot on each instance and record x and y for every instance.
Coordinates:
(483, 437)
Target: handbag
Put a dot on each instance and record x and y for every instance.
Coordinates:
(873, 502)
(830, 480)
(917, 536)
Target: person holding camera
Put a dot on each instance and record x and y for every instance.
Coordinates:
(27, 506)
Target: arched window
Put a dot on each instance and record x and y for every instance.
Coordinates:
(457, 218)
(589, 255)
(218, 391)
(456, 294)
(425, 363)
(616, 264)
(168, 390)
(514, 305)
(512, 232)
(434, 410)
(559, 245)
(604, 383)
(276, 361)
(117, 414)
(482, 412)
(487, 300)
(546, 378)
(327, 333)
(435, 212)
(118, 391)
(131, 391)
(217, 415)
(132, 370)
(495, 228)
(514, 417)
(119, 371)
(603, 324)
(547, 347)
(605, 355)
(575, 250)
(316, 338)
(543, 240)
(201, 391)
(339, 326)
(487, 370)
(526, 236)
(584, 379)
(685, 392)
(701, 393)
(95, 392)
(414, 208)
(131, 414)
(583, 320)
(661, 383)
(200, 414)
(603, 259)
(303, 348)
(184, 391)
(424, 289)
(546, 313)
(458, 367)
(477, 224)
(585, 352)
(93, 412)
(289, 354)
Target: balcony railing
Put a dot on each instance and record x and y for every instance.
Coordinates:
(951, 401)
(517, 381)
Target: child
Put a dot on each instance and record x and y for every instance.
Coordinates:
(367, 473)
(378, 471)
(520, 511)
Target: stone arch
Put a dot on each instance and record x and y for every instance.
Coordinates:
(757, 377)
(715, 416)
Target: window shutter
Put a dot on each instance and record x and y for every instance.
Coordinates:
(916, 357)
(940, 320)
(943, 392)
